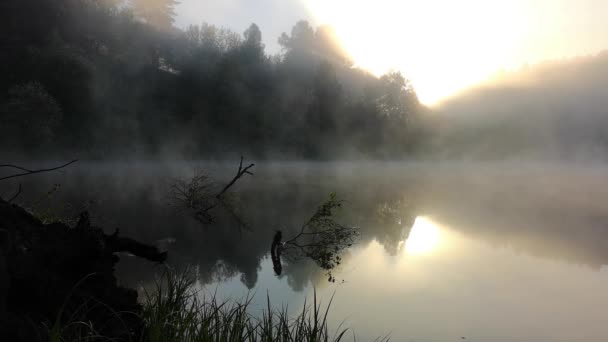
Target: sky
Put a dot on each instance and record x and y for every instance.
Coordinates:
(442, 46)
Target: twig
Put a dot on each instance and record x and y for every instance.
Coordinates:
(242, 171)
(30, 172)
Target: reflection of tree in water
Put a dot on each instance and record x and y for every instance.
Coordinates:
(134, 201)
(393, 221)
(131, 198)
(302, 272)
(386, 217)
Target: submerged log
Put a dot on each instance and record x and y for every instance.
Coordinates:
(53, 273)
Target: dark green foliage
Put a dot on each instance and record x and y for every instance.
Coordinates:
(98, 77)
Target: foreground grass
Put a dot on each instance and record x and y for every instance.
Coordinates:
(174, 312)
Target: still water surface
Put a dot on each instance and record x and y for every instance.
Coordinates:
(448, 251)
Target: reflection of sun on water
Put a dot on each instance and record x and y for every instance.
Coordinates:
(423, 238)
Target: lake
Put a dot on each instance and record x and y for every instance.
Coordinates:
(457, 251)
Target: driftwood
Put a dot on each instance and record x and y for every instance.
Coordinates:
(116, 244)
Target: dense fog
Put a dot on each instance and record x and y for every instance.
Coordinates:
(555, 110)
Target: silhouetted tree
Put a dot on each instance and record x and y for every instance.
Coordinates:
(253, 36)
(84, 70)
(302, 37)
(159, 13)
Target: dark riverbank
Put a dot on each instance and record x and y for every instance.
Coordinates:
(52, 275)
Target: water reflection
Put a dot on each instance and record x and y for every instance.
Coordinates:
(423, 238)
(503, 253)
(463, 288)
(557, 214)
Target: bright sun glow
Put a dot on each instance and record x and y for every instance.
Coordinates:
(423, 238)
(442, 46)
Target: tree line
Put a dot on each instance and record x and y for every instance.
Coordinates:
(108, 78)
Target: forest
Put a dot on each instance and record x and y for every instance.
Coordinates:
(112, 79)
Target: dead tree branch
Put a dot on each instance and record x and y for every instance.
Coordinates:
(240, 173)
(197, 195)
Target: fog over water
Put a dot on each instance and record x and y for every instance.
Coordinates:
(499, 251)
(480, 206)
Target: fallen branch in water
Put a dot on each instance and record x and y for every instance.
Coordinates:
(196, 195)
(240, 173)
(321, 239)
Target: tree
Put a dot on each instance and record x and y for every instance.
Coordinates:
(398, 98)
(322, 115)
(302, 37)
(252, 47)
(320, 44)
(327, 96)
(253, 36)
(398, 106)
(159, 13)
(204, 91)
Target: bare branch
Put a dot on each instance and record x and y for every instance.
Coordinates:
(196, 196)
(27, 172)
(240, 173)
